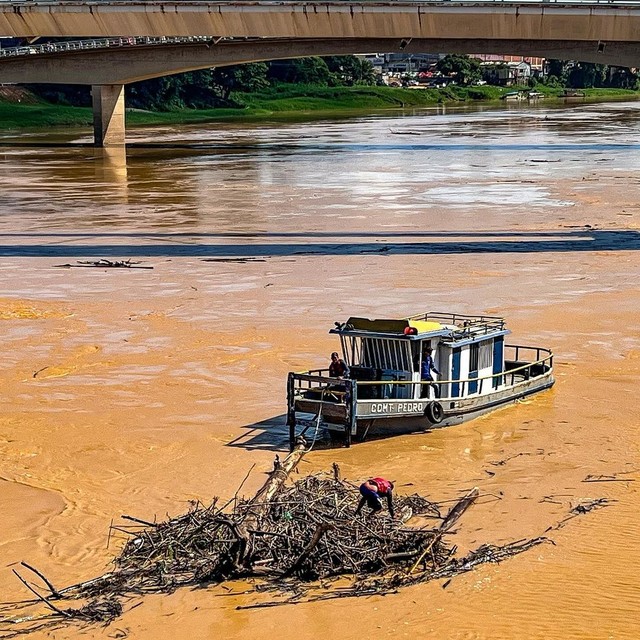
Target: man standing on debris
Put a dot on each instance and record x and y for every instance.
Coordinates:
(372, 490)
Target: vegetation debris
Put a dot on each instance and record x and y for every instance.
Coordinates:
(299, 542)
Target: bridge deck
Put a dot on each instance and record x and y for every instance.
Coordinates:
(607, 21)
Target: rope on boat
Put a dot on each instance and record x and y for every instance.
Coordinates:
(318, 417)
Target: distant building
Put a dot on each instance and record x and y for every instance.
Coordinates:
(497, 69)
(377, 60)
(536, 63)
(401, 63)
(506, 73)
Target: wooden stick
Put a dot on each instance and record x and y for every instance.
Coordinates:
(321, 529)
(41, 597)
(53, 590)
(450, 519)
(143, 522)
(243, 481)
(109, 535)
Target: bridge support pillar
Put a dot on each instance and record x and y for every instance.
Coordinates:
(108, 114)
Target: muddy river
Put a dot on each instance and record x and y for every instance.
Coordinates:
(135, 391)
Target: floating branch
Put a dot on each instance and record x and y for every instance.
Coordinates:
(612, 478)
(104, 263)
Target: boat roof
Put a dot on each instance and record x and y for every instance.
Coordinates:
(433, 324)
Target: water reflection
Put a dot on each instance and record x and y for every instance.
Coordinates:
(111, 168)
(432, 170)
(252, 176)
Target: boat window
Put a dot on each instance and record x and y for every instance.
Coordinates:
(352, 350)
(385, 354)
(474, 350)
(485, 355)
(480, 355)
(416, 352)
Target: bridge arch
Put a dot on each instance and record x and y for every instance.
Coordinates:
(108, 66)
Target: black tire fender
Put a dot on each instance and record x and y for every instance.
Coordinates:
(434, 412)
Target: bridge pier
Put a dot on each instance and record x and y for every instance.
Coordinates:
(108, 115)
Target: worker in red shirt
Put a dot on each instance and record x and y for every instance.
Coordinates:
(372, 490)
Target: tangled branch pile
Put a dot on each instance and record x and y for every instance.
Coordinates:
(288, 537)
(308, 532)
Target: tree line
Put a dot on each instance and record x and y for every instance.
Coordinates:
(559, 73)
(226, 86)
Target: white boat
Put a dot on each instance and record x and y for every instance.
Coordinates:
(384, 393)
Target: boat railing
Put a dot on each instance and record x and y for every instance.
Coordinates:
(515, 372)
(307, 379)
(518, 350)
(465, 325)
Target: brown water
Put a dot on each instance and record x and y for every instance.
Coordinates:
(135, 391)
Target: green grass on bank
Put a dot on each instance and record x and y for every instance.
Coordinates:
(281, 100)
(15, 115)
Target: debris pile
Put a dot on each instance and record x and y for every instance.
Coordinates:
(302, 541)
(307, 532)
(104, 263)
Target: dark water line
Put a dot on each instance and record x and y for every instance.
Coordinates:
(347, 146)
(601, 241)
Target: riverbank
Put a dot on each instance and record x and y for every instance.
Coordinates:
(21, 110)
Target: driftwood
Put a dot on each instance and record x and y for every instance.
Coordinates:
(103, 262)
(580, 509)
(452, 517)
(241, 551)
(612, 478)
(297, 539)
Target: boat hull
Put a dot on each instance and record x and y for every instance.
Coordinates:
(389, 417)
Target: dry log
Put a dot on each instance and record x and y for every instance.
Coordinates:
(276, 480)
(242, 550)
(451, 518)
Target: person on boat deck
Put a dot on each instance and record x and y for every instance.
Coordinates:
(428, 366)
(338, 367)
(372, 490)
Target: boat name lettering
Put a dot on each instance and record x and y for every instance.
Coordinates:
(397, 407)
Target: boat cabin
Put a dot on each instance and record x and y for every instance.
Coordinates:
(387, 388)
(465, 348)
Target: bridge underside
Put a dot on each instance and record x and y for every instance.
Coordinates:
(107, 70)
(131, 64)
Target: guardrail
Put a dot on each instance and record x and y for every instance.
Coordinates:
(466, 326)
(102, 43)
(49, 3)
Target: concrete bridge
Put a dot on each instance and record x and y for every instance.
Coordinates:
(606, 32)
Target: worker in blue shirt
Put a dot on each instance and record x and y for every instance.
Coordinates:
(428, 366)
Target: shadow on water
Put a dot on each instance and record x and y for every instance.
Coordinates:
(272, 434)
(547, 242)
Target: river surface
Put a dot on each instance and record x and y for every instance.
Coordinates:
(136, 391)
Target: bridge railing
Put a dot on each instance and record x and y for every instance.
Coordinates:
(102, 43)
